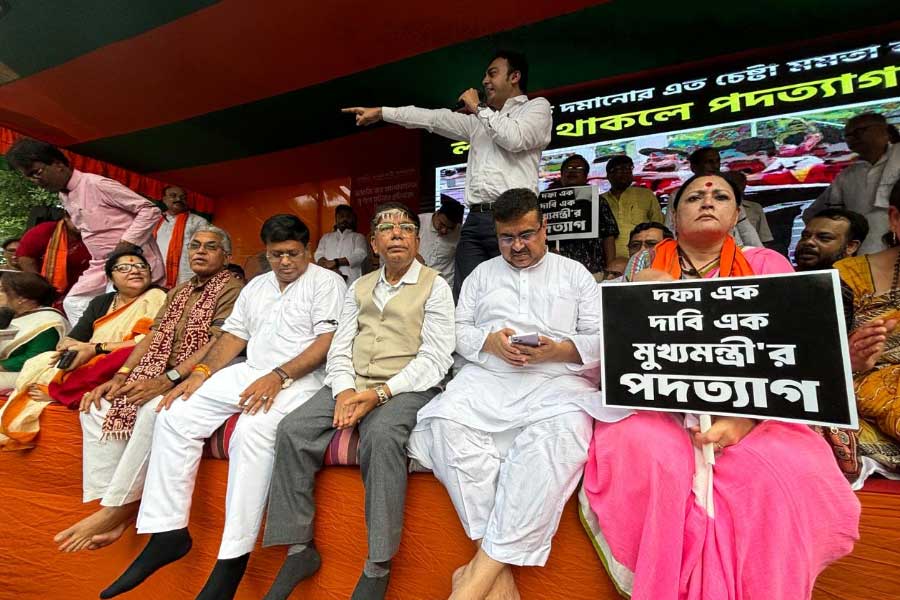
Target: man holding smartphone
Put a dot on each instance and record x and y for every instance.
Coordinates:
(509, 436)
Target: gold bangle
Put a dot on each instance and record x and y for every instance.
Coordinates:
(123, 371)
(204, 369)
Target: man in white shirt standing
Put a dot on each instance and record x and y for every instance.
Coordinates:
(439, 235)
(865, 186)
(509, 436)
(391, 349)
(173, 234)
(506, 134)
(285, 319)
(343, 250)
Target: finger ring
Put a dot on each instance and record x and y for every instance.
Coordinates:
(719, 447)
(264, 397)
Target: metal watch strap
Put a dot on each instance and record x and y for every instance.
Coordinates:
(382, 395)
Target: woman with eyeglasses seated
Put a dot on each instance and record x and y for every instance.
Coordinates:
(111, 326)
(779, 510)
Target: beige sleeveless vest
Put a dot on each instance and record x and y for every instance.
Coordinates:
(387, 340)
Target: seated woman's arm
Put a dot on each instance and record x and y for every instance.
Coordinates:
(43, 342)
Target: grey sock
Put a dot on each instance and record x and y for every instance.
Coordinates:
(371, 588)
(295, 569)
(377, 569)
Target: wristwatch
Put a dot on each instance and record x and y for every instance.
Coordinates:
(382, 395)
(286, 380)
(173, 375)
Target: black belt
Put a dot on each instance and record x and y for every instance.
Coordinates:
(482, 207)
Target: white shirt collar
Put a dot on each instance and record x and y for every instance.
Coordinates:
(411, 277)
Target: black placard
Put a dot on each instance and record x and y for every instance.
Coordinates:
(772, 347)
(571, 212)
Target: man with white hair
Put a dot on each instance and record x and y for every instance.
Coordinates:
(117, 417)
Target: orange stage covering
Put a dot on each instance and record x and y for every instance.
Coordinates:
(42, 490)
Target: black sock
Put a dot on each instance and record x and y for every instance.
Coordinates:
(371, 588)
(162, 549)
(295, 569)
(224, 580)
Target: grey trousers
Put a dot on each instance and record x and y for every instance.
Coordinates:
(302, 439)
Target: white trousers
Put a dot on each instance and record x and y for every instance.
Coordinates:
(509, 489)
(114, 470)
(178, 444)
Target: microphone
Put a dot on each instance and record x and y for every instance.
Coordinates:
(461, 105)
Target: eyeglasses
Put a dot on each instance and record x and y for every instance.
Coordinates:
(571, 168)
(210, 246)
(290, 254)
(524, 237)
(128, 267)
(405, 228)
(637, 245)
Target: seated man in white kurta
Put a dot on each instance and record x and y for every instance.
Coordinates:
(285, 319)
(509, 436)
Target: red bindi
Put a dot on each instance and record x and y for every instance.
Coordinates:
(709, 184)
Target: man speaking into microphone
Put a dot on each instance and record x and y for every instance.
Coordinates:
(506, 133)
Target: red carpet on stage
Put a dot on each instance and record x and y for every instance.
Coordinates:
(42, 495)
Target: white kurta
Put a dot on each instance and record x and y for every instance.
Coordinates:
(279, 326)
(345, 244)
(557, 298)
(509, 443)
(439, 251)
(164, 237)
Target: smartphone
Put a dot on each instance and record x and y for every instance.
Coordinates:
(66, 359)
(525, 339)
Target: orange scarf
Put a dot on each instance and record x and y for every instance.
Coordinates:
(176, 246)
(54, 268)
(732, 262)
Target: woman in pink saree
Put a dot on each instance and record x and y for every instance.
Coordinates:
(779, 510)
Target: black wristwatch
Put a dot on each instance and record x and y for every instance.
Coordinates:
(99, 349)
(173, 375)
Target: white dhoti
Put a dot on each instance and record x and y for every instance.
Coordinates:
(114, 469)
(510, 448)
(178, 444)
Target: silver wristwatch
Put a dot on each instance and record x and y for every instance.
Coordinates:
(382, 395)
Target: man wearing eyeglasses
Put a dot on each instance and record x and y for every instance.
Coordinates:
(630, 204)
(392, 348)
(865, 186)
(594, 254)
(117, 417)
(109, 216)
(285, 319)
(508, 438)
(645, 236)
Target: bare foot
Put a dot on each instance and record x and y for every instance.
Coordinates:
(39, 394)
(504, 587)
(106, 520)
(478, 578)
(105, 539)
(457, 575)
